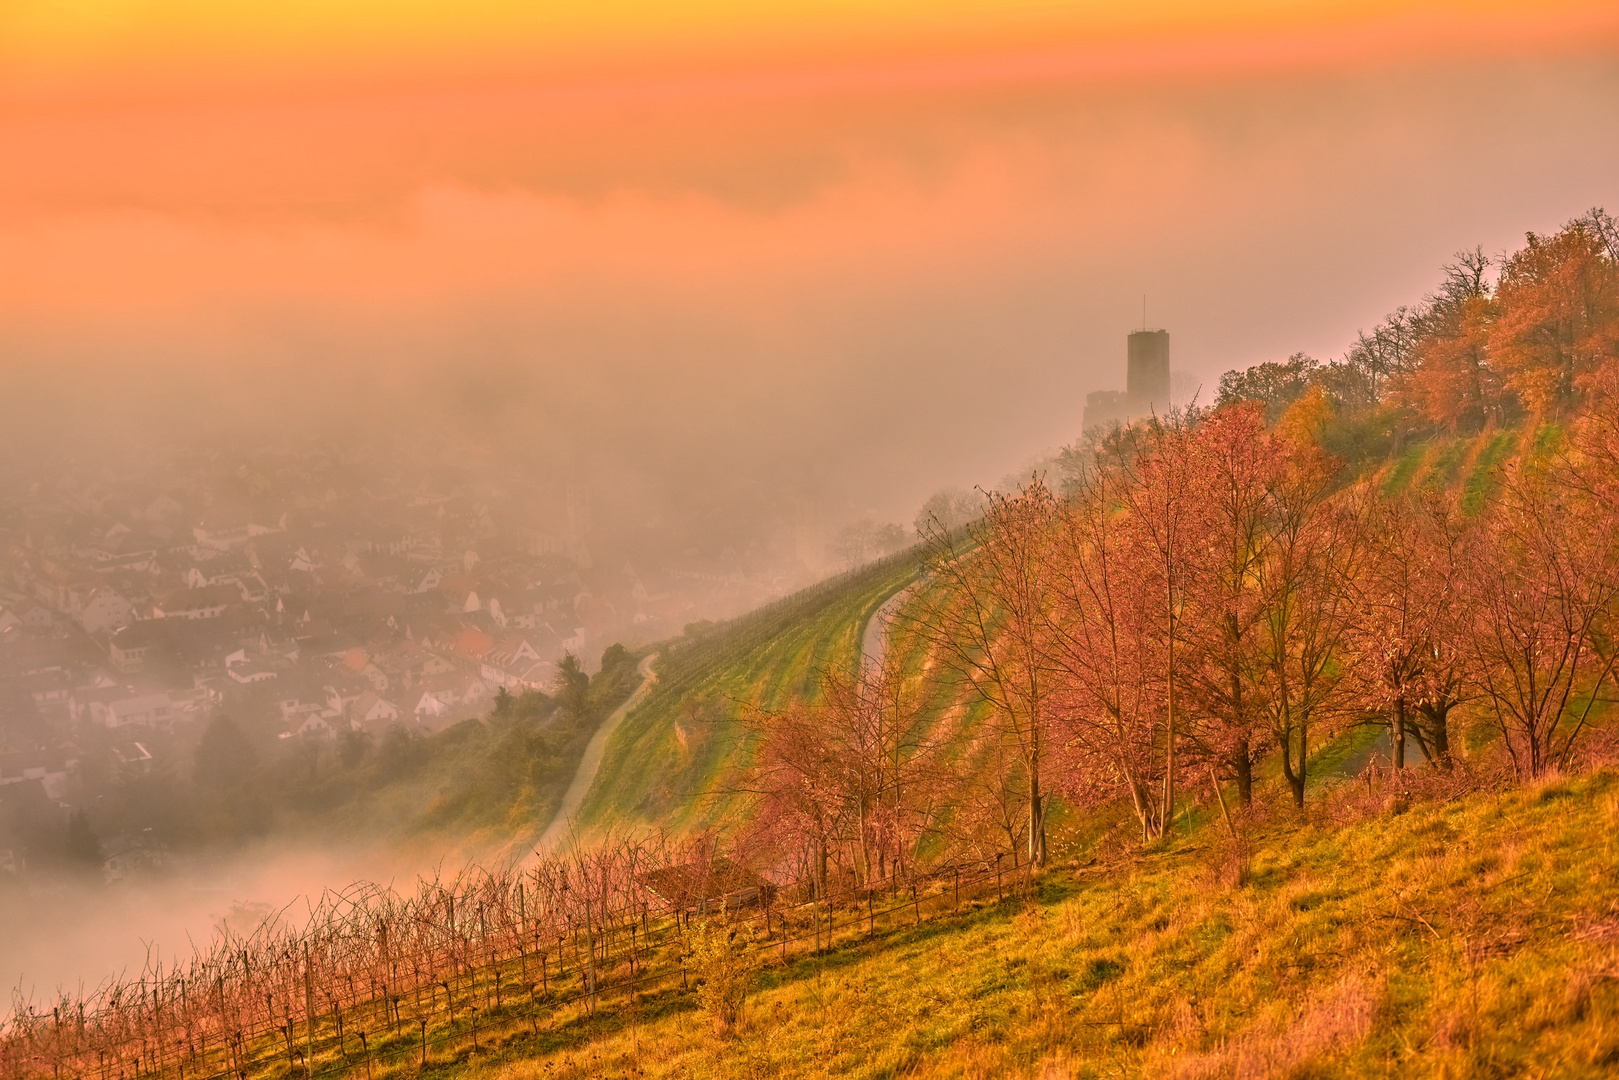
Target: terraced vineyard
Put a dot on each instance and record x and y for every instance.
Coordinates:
(684, 739)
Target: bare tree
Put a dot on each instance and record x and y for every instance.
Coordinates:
(986, 612)
(1542, 575)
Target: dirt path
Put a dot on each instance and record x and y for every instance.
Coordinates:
(874, 640)
(590, 763)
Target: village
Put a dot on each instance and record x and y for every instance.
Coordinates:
(307, 594)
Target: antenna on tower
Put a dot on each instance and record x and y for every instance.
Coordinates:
(1143, 311)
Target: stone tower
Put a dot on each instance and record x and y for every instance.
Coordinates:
(1146, 381)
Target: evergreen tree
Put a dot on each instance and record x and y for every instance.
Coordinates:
(80, 847)
(224, 756)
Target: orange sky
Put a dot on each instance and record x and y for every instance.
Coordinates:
(81, 41)
(826, 191)
(163, 152)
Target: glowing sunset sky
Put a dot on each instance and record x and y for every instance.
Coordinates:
(687, 216)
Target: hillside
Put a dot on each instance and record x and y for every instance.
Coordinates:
(1278, 742)
(674, 761)
(1419, 927)
(665, 765)
(1466, 934)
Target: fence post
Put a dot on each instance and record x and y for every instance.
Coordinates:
(590, 945)
(309, 1013)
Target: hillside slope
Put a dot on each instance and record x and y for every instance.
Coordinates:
(669, 765)
(666, 766)
(1471, 934)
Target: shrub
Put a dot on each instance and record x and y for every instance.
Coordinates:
(722, 960)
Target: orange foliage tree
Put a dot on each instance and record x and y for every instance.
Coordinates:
(1556, 314)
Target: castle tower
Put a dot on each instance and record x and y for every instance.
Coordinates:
(1146, 379)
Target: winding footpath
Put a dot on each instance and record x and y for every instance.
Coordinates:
(590, 763)
(874, 640)
(873, 643)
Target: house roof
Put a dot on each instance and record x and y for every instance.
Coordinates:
(209, 596)
(142, 703)
(693, 882)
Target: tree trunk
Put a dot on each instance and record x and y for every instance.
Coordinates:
(1167, 811)
(1242, 757)
(1438, 717)
(1295, 771)
(1304, 765)
(1037, 823)
(1397, 733)
(865, 846)
(1243, 766)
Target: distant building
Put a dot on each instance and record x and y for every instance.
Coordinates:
(127, 856)
(49, 768)
(208, 602)
(105, 611)
(131, 646)
(1148, 384)
(146, 710)
(1104, 408)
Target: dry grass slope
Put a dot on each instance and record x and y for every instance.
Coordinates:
(1474, 937)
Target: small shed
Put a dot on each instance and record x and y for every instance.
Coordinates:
(716, 885)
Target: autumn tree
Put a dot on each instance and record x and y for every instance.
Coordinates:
(1442, 681)
(1588, 471)
(1108, 660)
(224, 756)
(1225, 673)
(1163, 498)
(985, 612)
(842, 778)
(1406, 603)
(1275, 385)
(1542, 576)
(1310, 555)
(1387, 354)
(572, 687)
(1453, 383)
(799, 780)
(871, 719)
(1557, 314)
(946, 509)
